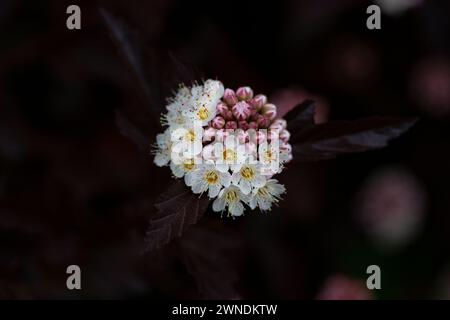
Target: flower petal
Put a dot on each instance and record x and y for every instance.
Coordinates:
(236, 209)
(214, 190)
(218, 205)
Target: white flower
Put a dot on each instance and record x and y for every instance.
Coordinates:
(229, 155)
(185, 168)
(207, 178)
(186, 142)
(204, 101)
(162, 149)
(174, 117)
(264, 196)
(247, 177)
(230, 197)
(269, 157)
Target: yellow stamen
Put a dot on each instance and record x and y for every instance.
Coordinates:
(263, 192)
(188, 166)
(231, 196)
(229, 155)
(203, 113)
(190, 136)
(247, 173)
(211, 177)
(269, 156)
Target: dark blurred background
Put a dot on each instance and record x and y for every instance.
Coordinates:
(73, 190)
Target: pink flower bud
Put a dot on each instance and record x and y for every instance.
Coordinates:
(252, 125)
(242, 136)
(229, 115)
(243, 125)
(258, 101)
(261, 137)
(209, 134)
(251, 148)
(286, 147)
(230, 97)
(285, 152)
(269, 110)
(253, 111)
(222, 108)
(218, 122)
(280, 122)
(273, 134)
(221, 135)
(254, 117)
(244, 93)
(231, 125)
(241, 110)
(276, 126)
(285, 135)
(263, 122)
(208, 152)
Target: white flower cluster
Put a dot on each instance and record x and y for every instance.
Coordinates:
(235, 164)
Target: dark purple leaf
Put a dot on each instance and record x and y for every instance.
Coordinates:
(128, 45)
(326, 141)
(158, 73)
(208, 251)
(181, 72)
(176, 209)
(129, 130)
(301, 116)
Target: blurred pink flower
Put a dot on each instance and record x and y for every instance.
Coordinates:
(341, 287)
(397, 6)
(352, 65)
(287, 99)
(430, 85)
(390, 206)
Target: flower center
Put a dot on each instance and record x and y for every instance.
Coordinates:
(188, 166)
(269, 156)
(203, 113)
(211, 177)
(190, 136)
(263, 192)
(247, 173)
(231, 196)
(229, 155)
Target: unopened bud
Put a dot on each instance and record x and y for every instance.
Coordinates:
(221, 135)
(231, 125)
(208, 152)
(285, 135)
(269, 110)
(242, 135)
(244, 93)
(258, 101)
(243, 125)
(251, 148)
(218, 122)
(209, 134)
(241, 110)
(273, 135)
(261, 137)
(222, 108)
(230, 97)
(286, 147)
(263, 122)
(279, 123)
(252, 125)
